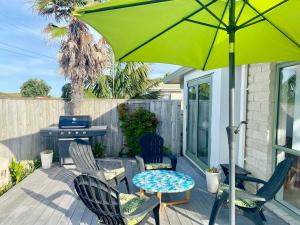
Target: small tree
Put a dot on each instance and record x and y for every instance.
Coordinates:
(66, 91)
(35, 87)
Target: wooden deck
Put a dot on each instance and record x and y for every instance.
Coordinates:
(47, 197)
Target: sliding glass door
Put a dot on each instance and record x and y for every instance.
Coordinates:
(198, 120)
(287, 134)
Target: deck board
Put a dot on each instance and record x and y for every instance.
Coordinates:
(47, 197)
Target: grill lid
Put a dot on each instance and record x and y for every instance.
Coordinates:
(74, 122)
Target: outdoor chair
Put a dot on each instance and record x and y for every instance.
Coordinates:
(151, 157)
(82, 155)
(112, 207)
(250, 204)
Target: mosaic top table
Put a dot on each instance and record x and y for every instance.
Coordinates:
(164, 181)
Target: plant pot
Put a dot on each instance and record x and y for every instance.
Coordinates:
(212, 181)
(46, 158)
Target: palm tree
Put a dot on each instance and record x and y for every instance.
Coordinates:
(79, 57)
(123, 80)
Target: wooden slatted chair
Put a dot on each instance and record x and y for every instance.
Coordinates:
(112, 207)
(82, 155)
(251, 205)
(151, 157)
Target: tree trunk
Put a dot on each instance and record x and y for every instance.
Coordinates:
(77, 94)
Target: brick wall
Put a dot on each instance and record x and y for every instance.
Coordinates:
(260, 113)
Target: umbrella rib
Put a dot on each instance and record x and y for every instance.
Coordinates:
(211, 13)
(125, 6)
(262, 13)
(167, 29)
(240, 13)
(274, 26)
(215, 37)
(249, 24)
(205, 24)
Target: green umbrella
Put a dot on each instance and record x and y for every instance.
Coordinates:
(200, 34)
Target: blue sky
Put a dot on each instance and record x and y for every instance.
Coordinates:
(25, 51)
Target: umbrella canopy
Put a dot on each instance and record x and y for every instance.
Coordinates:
(193, 33)
(203, 34)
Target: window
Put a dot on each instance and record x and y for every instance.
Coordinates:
(287, 140)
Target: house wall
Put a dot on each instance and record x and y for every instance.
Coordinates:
(260, 115)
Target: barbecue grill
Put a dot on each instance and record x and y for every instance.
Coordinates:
(70, 128)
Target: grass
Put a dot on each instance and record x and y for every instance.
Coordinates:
(13, 95)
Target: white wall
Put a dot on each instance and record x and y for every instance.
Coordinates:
(219, 112)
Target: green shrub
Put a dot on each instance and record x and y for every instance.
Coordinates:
(134, 125)
(166, 150)
(98, 150)
(5, 187)
(213, 170)
(37, 163)
(16, 171)
(19, 170)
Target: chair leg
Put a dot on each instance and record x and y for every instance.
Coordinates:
(156, 214)
(216, 208)
(254, 216)
(262, 215)
(127, 185)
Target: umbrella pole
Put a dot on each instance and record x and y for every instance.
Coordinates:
(230, 129)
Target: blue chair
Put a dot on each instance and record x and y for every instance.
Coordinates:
(251, 205)
(151, 157)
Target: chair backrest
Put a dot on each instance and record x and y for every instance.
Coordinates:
(152, 146)
(100, 198)
(269, 190)
(82, 155)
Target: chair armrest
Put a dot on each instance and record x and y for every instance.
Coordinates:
(101, 162)
(145, 208)
(173, 159)
(96, 173)
(240, 195)
(250, 179)
(140, 163)
(249, 196)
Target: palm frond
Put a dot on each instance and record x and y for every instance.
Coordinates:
(102, 87)
(56, 32)
(59, 9)
(80, 59)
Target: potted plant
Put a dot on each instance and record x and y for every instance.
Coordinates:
(46, 158)
(212, 179)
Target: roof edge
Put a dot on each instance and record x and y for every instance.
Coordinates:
(177, 76)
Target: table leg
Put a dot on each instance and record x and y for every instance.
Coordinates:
(164, 204)
(159, 196)
(187, 195)
(142, 193)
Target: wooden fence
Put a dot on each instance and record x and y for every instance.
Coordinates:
(21, 120)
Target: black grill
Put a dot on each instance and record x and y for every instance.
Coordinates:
(74, 122)
(70, 128)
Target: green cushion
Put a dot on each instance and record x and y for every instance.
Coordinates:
(157, 166)
(245, 203)
(109, 175)
(130, 203)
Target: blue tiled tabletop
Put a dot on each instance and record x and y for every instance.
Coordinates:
(164, 181)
